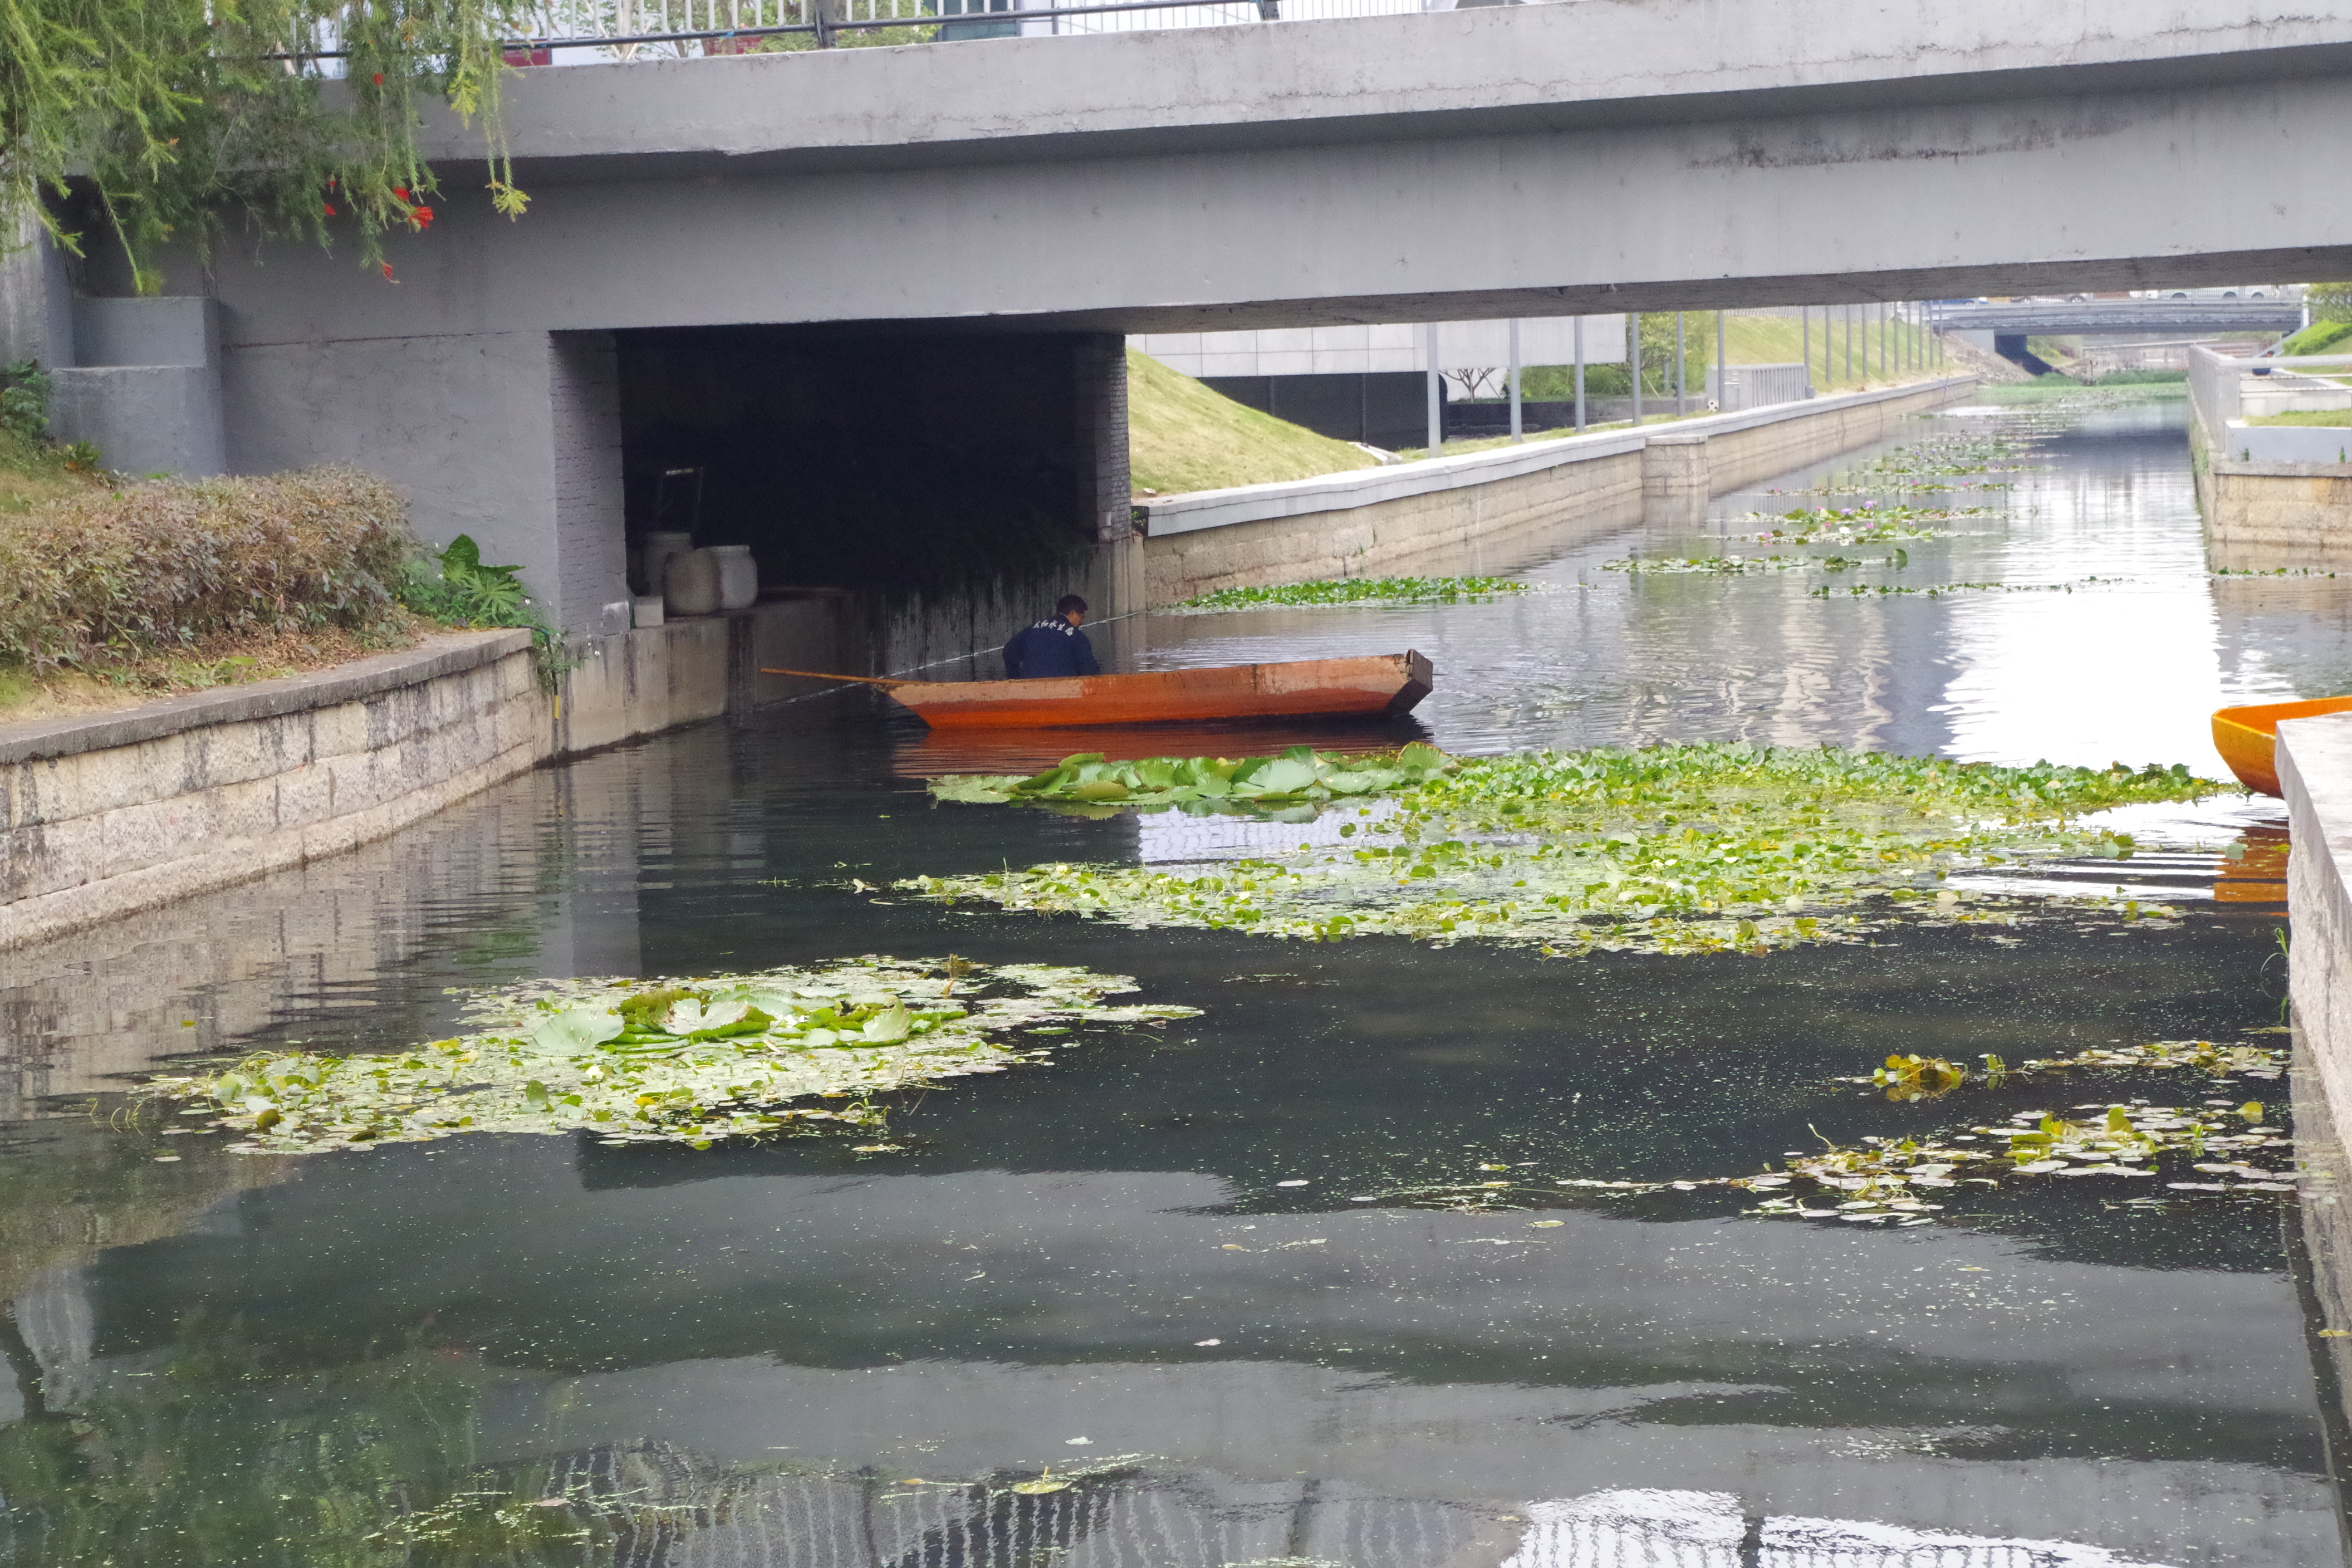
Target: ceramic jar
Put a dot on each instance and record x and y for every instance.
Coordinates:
(690, 584)
(655, 552)
(738, 576)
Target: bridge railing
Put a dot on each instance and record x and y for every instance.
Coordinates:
(584, 31)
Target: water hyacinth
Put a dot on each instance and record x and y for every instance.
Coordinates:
(1865, 524)
(727, 1056)
(1357, 591)
(1679, 849)
(1301, 777)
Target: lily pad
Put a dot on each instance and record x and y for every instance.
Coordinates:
(587, 1056)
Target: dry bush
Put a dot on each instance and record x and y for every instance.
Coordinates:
(102, 578)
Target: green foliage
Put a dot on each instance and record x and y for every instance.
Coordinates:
(23, 400)
(1686, 849)
(456, 589)
(728, 1056)
(177, 112)
(2329, 301)
(148, 568)
(1359, 591)
(2142, 378)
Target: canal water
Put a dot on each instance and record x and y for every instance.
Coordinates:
(1142, 1271)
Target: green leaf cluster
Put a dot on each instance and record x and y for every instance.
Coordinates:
(1300, 777)
(170, 116)
(1331, 591)
(730, 1056)
(1678, 848)
(456, 589)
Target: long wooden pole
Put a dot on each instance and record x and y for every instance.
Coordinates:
(820, 675)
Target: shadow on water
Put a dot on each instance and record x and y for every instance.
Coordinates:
(1144, 1267)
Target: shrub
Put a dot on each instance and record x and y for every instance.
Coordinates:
(105, 577)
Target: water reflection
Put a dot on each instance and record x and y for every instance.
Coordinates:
(746, 1357)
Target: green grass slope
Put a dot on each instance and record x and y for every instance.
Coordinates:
(1183, 437)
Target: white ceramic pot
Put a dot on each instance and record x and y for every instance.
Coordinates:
(657, 551)
(690, 584)
(738, 576)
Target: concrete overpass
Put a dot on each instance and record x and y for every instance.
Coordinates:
(2097, 318)
(722, 251)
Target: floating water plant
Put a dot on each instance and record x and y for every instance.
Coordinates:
(1300, 777)
(1746, 565)
(1910, 1181)
(1359, 591)
(1939, 590)
(1681, 849)
(1865, 524)
(690, 1061)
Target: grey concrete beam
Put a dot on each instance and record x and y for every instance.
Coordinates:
(2070, 193)
(1497, 70)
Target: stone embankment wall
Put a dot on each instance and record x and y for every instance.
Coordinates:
(120, 811)
(2261, 514)
(1466, 513)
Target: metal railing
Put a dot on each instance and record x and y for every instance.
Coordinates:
(585, 31)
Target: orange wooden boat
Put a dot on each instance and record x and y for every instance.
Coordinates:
(1389, 683)
(2247, 738)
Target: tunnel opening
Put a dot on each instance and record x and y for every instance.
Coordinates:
(864, 461)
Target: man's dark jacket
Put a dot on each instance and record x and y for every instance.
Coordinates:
(1051, 647)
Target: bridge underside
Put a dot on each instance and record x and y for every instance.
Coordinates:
(920, 197)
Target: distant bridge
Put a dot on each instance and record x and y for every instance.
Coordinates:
(2089, 318)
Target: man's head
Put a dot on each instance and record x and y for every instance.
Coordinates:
(1071, 608)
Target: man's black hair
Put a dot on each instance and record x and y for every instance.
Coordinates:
(1070, 602)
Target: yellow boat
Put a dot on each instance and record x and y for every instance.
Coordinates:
(2247, 738)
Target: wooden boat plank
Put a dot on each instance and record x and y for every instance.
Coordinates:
(1383, 683)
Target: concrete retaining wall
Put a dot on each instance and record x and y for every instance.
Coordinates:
(2314, 767)
(119, 811)
(1457, 513)
(2261, 514)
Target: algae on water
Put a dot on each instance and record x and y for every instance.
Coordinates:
(1357, 591)
(689, 1061)
(1679, 849)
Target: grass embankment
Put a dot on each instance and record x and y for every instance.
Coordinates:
(1183, 437)
(2320, 338)
(2324, 418)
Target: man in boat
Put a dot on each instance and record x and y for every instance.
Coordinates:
(1054, 646)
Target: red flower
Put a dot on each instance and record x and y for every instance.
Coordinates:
(330, 206)
(422, 217)
(379, 79)
(387, 273)
(400, 190)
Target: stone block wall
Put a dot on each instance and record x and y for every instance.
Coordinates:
(118, 812)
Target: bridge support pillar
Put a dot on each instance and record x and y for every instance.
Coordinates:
(512, 438)
(1676, 480)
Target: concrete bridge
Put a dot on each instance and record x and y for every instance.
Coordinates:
(2095, 318)
(871, 301)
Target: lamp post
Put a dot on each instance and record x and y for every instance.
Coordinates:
(1579, 375)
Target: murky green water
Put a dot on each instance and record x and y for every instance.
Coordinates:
(749, 1356)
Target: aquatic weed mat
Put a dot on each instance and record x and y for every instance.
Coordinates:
(671, 1061)
(2147, 1156)
(1688, 848)
(1339, 592)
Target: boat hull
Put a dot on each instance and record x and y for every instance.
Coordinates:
(1379, 684)
(2247, 737)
